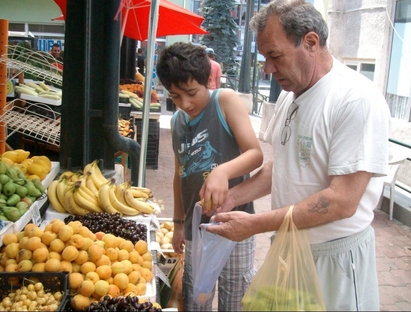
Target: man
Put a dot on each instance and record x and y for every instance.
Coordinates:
(55, 51)
(330, 146)
(141, 61)
(214, 82)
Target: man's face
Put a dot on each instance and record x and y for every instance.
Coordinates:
(55, 51)
(291, 66)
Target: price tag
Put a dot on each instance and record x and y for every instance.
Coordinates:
(36, 216)
(160, 274)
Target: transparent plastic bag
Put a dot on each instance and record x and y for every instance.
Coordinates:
(287, 280)
(210, 253)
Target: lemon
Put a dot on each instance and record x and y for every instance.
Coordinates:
(12, 155)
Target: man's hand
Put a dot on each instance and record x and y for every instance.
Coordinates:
(178, 238)
(234, 225)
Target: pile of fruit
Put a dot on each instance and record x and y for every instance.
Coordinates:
(89, 191)
(98, 264)
(137, 99)
(164, 235)
(112, 224)
(33, 297)
(38, 89)
(17, 191)
(32, 167)
(126, 127)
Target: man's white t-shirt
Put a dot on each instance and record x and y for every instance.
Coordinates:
(341, 127)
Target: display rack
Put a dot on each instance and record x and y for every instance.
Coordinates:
(37, 63)
(35, 120)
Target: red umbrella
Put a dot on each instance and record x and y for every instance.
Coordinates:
(173, 19)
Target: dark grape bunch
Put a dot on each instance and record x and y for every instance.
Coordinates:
(112, 224)
(122, 304)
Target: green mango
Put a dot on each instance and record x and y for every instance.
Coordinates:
(21, 175)
(21, 190)
(38, 185)
(22, 207)
(28, 200)
(13, 200)
(3, 202)
(33, 191)
(11, 213)
(4, 178)
(20, 181)
(3, 167)
(12, 173)
(9, 188)
(3, 218)
(32, 198)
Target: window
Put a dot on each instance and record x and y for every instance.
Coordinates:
(365, 68)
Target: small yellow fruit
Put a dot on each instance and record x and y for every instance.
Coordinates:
(101, 288)
(121, 280)
(52, 265)
(9, 238)
(22, 155)
(80, 302)
(141, 247)
(65, 233)
(70, 253)
(86, 288)
(75, 280)
(12, 155)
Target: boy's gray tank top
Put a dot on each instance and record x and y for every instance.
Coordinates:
(200, 146)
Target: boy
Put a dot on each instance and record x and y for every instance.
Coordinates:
(215, 148)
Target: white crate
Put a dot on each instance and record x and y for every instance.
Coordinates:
(39, 99)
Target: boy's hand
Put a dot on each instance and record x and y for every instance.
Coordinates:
(178, 238)
(207, 207)
(214, 191)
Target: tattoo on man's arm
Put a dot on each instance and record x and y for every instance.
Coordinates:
(321, 206)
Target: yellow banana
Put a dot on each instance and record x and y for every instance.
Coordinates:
(104, 199)
(145, 190)
(82, 182)
(143, 207)
(52, 196)
(75, 177)
(60, 191)
(90, 184)
(66, 174)
(71, 205)
(138, 193)
(85, 201)
(124, 209)
(96, 175)
(119, 191)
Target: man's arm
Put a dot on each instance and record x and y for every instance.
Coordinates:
(339, 201)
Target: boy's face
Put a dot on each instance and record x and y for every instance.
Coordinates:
(191, 97)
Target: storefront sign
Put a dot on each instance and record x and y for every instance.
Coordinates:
(46, 44)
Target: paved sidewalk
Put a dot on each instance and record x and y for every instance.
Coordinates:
(393, 239)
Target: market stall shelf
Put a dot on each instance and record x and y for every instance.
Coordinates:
(34, 120)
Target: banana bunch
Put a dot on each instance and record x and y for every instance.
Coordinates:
(90, 191)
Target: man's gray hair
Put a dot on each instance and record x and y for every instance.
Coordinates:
(298, 17)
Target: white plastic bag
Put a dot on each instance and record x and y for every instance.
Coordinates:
(210, 253)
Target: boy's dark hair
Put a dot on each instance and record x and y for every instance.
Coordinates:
(181, 62)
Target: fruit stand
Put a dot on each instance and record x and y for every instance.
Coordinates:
(108, 266)
(109, 248)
